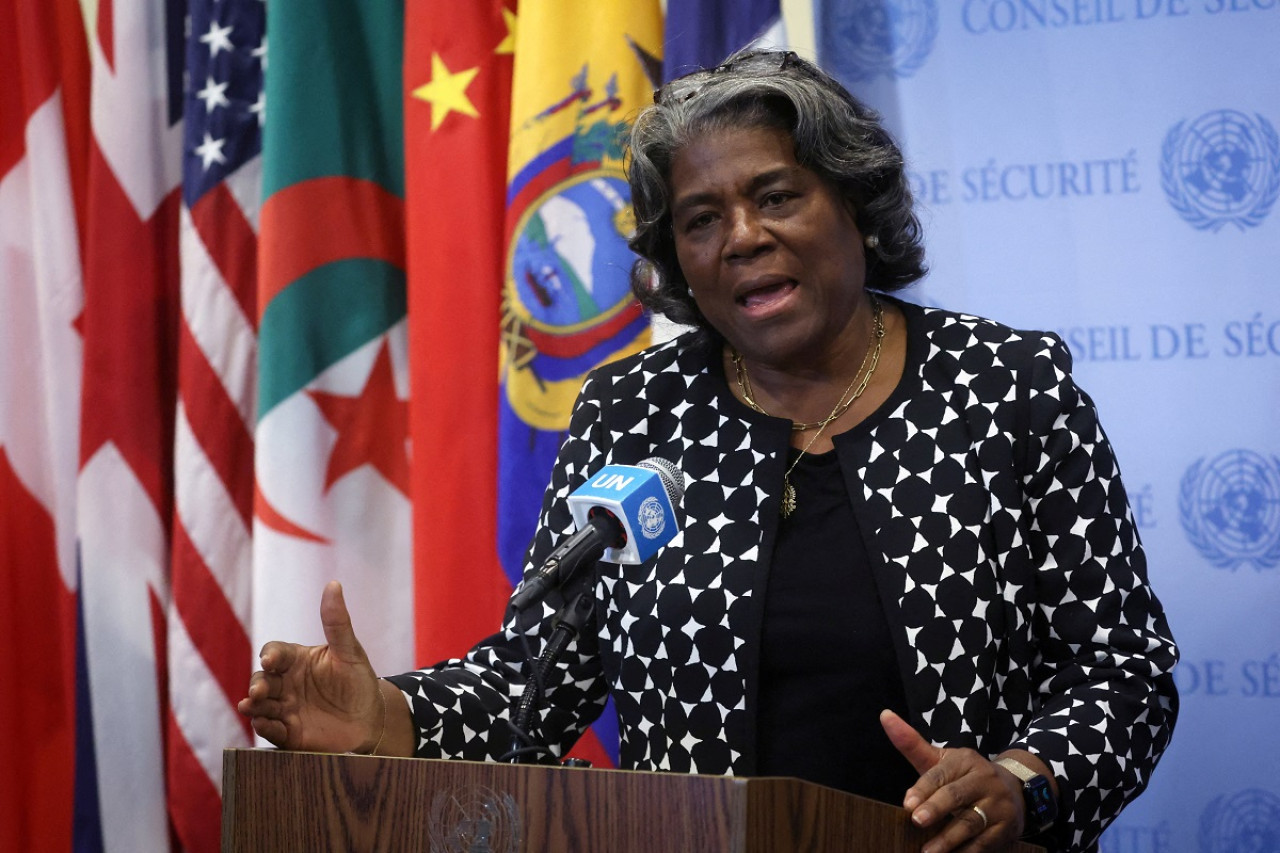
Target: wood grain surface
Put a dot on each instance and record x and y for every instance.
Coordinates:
(297, 801)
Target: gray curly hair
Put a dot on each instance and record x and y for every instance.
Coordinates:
(836, 136)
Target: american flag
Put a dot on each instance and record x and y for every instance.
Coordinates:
(208, 638)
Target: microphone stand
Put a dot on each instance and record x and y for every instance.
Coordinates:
(569, 622)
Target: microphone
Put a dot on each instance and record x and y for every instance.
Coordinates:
(624, 514)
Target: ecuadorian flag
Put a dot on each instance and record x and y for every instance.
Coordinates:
(583, 68)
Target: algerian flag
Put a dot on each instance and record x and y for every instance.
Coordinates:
(332, 435)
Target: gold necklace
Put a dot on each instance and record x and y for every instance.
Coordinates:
(865, 371)
(748, 394)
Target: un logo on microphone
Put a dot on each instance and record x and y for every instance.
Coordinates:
(1230, 509)
(1222, 168)
(1245, 821)
(652, 518)
(864, 39)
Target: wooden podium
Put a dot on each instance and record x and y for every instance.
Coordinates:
(300, 801)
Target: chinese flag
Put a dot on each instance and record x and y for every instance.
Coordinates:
(457, 79)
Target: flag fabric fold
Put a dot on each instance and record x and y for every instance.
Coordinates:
(457, 90)
(227, 262)
(701, 33)
(43, 126)
(581, 69)
(125, 487)
(331, 431)
(211, 549)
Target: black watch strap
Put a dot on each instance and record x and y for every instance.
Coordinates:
(1037, 794)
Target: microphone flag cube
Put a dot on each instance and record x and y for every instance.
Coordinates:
(637, 498)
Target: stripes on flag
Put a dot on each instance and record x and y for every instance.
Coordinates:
(212, 555)
(190, 334)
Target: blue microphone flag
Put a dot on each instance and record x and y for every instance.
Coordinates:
(641, 498)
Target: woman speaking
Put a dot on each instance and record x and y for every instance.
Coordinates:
(906, 567)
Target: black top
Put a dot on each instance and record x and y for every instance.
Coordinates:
(827, 666)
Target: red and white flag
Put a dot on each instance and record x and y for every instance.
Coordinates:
(125, 495)
(211, 559)
(43, 107)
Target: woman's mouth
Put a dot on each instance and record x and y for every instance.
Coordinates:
(766, 295)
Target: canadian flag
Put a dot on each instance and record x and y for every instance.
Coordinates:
(43, 113)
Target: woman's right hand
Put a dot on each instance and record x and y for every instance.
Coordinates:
(322, 698)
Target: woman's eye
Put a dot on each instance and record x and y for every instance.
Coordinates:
(774, 199)
(702, 220)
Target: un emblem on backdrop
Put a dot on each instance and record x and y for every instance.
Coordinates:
(1230, 509)
(863, 39)
(1221, 168)
(1245, 822)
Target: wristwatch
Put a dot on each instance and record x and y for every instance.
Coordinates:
(1037, 793)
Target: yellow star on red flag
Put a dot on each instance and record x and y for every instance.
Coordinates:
(508, 44)
(447, 91)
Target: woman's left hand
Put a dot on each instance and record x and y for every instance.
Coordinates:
(976, 804)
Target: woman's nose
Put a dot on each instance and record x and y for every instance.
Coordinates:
(747, 235)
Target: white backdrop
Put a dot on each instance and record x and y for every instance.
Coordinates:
(1108, 169)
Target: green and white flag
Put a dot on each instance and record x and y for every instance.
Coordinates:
(332, 498)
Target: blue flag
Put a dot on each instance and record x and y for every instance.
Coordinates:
(701, 33)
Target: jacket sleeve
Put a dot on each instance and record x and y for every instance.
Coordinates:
(1103, 674)
(462, 707)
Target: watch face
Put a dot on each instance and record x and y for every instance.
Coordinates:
(1041, 808)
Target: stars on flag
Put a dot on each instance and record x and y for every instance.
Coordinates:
(259, 107)
(508, 44)
(214, 94)
(447, 91)
(226, 55)
(260, 52)
(210, 151)
(218, 38)
(372, 428)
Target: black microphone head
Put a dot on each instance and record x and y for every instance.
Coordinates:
(671, 476)
(615, 535)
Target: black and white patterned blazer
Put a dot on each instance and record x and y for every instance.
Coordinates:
(1000, 537)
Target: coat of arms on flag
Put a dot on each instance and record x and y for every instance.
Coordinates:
(567, 307)
(567, 304)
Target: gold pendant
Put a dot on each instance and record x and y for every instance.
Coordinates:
(788, 498)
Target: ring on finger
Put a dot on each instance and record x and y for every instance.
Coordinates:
(983, 815)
